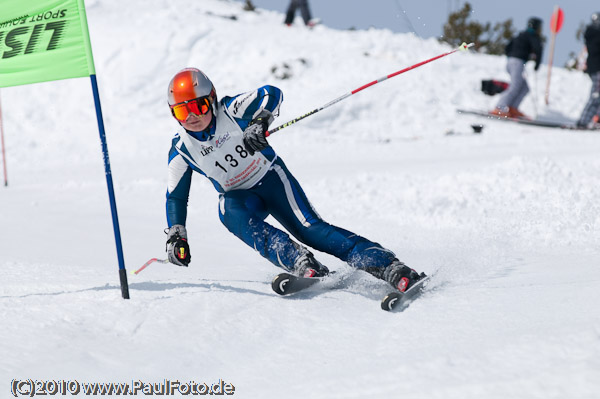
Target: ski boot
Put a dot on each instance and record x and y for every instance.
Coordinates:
(500, 112)
(400, 276)
(307, 266)
(515, 113)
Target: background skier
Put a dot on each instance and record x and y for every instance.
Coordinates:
(592, 42)
(304, 11)
(525, 46)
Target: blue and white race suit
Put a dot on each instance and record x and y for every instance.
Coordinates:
(252, 187)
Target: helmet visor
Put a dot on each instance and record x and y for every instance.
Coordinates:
(198, 106)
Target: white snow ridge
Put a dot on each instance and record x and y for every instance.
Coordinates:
(506, 221)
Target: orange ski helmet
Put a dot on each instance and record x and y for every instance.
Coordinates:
(190, 84)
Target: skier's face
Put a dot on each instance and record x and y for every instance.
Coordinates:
(197, 123)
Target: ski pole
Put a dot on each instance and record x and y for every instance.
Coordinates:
(535, 93)
(3, 152)
(410, 25)
(149, 262)
(462, 47)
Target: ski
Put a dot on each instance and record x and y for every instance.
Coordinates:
(231, 17)
(286, 283)
(399, 300)
(522, 121)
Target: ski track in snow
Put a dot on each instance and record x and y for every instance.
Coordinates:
(506, 221)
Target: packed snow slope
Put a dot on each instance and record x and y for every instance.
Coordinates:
(507, 221)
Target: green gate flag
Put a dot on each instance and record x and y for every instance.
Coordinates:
(42, 40)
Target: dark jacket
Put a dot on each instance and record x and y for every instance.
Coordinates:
(592, 42)
(526, 45)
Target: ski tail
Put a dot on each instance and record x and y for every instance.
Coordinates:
(400, 300)
(286, 283)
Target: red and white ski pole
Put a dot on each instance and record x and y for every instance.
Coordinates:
(462, 47)
(149, 262)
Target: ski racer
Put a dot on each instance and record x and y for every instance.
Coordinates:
(225, 140)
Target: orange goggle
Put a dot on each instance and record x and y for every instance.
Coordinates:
(198, 106)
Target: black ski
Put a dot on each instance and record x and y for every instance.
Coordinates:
(522, 121)
(231, 17)
(286, 283)
(399, 300)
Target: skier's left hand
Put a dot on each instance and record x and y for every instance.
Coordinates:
(254, 135)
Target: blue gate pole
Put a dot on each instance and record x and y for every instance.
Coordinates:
(111, 191)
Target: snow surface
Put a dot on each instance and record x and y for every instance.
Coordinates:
(507, 221)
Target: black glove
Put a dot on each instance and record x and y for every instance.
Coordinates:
(254, 135)
(178, 249)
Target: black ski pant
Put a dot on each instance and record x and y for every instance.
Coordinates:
(304, 10)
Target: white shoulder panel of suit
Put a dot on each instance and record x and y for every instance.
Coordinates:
(177, 168)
